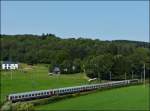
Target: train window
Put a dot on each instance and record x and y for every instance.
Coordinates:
(29, 94)
(32, 94)
(47, 92)
(26, 95)
(16, 96)
(19, 96)
(22, 95)
(44, 92)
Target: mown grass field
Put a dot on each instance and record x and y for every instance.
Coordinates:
(126, 98)
(35, 78)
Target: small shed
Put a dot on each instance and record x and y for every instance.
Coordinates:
(56, 70)
(9, 65)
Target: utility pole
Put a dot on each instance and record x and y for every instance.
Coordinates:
(11, 74)
(144, 73)
(99, 76)
(141, 77)
(132, 74)
(125, 76)
(110, 75)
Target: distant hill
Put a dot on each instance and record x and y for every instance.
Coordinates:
(48, 47)
(67, 53)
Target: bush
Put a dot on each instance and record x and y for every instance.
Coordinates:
(6, 107)
(22, 106)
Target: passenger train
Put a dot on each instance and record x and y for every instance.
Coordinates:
(67, 90)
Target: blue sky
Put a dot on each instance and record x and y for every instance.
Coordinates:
(109, 20)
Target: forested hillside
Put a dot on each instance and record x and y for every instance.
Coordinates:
(97, 58)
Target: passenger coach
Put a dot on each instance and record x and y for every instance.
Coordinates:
(68, 90)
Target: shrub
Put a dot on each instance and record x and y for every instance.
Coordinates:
(22, 106)
(6, 107)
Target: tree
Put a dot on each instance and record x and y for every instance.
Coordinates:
(99, 66)
(96, 56)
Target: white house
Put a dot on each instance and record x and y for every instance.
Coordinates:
(8, 65)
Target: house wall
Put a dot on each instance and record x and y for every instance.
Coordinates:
(9, 66)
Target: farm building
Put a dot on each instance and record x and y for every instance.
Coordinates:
(56, 70)
(9, 65)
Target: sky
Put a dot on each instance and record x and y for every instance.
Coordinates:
(104, 20)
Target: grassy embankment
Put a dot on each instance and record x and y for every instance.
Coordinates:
(126, 98)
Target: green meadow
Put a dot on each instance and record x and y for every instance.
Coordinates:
(35, 78)
(126, 98)
(30, 78)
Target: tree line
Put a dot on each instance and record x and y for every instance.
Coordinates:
(97, 58)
